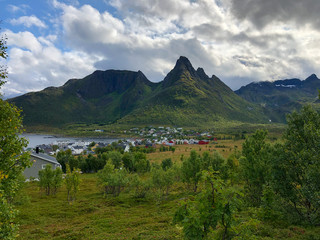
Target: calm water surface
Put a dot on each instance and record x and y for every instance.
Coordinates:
(38, 139)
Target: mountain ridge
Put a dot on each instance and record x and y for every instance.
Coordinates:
(185, 97)
(282, 96)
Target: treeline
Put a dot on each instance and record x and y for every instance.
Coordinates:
(165, 149)
(132, 161)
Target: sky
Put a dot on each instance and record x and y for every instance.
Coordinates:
(239, 41)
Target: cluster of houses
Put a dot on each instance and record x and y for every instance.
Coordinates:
(165, 141)
(168, 132)
(82, 147)
(149, 137)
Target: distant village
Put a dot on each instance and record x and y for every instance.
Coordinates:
(145, 137)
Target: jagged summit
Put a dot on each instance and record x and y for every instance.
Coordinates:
(201, 73)
(312, 77)
(183, 63)
(183, 70)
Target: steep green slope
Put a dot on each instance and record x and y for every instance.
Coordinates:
(103, 97)
(188, 97)
(283, 96)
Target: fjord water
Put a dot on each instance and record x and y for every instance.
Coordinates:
(38, 139)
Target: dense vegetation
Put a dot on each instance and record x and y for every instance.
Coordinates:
(12, 158)
(268, 190)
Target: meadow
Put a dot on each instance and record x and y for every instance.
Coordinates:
(96, 216)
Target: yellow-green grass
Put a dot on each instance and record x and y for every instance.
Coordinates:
(92, 216)
(224, 147)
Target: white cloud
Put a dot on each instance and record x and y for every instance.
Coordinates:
(149, 35)
(28, 21)
(35, 63)
(18, 8)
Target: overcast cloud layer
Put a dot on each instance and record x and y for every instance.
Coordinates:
(237, 40)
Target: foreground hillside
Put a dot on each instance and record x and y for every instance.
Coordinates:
(94, 216)
(186, 97)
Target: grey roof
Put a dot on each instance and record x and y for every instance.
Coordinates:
(78, 147)
(44, 157)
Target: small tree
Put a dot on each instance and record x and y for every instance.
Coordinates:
(256, 165)
(162, 180)
(215, 205)
(66, 157)
(128, 161)
(140, 163)
(112, 180)
(191, 170)
(139, 185)
(166, 164)
(72, 181)
(116, 158)
(50, 180)
(57, 180)
(215, 161)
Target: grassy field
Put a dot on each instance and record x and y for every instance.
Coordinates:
(92, 216)
(224, 147)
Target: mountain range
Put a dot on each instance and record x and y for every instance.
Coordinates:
(281, 97)
(186, 97)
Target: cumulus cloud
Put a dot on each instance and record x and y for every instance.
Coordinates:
(34, 63)
(262, 13)
(237, 40)
(28, 21)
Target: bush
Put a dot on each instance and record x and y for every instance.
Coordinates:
(50, 180)
(166, 164)
(112, 180)
(140, 186)
(140, 163)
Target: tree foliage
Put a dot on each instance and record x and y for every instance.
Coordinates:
(191, 170)
(66, 157)
(112, 180)
(72, 181)
(255, 165)
(214, 205)
(162, 180)
(13, 160)
(166, 164)
(296, 167)
(50, 180)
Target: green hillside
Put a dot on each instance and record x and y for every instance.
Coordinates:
(102, 97)
(281, 97)
(188, 97)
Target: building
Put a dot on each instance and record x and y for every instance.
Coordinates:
(40, 161)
